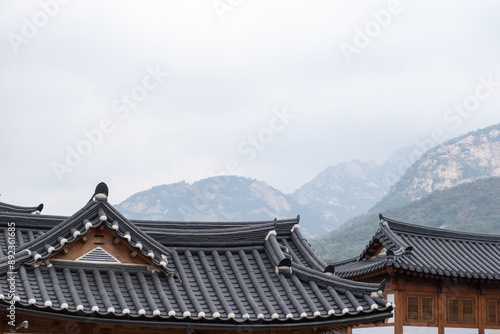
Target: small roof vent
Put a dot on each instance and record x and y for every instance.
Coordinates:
(98, 255)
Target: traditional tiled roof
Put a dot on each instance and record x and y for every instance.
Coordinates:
(208, 275)
(432, 251)
(4, 207)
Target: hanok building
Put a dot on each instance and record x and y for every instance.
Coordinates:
(443, 281)
(98, 272)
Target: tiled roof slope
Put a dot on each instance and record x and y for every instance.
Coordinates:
(433, 251)
(263, 275)
(4, 207)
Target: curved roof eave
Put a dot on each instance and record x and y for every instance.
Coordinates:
(319, 322)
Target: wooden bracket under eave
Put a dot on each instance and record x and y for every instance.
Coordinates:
(390, 271)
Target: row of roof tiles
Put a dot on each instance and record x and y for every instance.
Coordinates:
(427, 250)
(217, 285)
(269, 273)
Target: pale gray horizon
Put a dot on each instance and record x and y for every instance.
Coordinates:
(138, 94)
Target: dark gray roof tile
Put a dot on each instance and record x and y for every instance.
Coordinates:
(257, 273)
(428, 250)
(9, 208)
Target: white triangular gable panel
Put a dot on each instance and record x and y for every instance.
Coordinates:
(98, 255)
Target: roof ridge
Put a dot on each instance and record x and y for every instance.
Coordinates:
(248, 222)
(393, 237)
(214, 231)
(306, 249)
(336, 281)
(386, 230)
(5, 207)
(436, 232)
(94, 214)
(31, 219)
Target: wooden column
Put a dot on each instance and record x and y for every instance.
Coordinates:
(481, 310)
(441, 311)
(3, 321)
(399, 300)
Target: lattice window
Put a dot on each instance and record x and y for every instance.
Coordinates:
(412, 303)
(420, 308)
(453, 310)
(428, 308)
(493, 311)
(461, 310)
(468, 310)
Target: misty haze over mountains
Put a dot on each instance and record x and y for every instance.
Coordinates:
(335, 195)
(453, 186)
(331, 198)
(224, 198)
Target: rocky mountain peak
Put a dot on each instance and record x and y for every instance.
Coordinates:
(220, 198)
(464, 159)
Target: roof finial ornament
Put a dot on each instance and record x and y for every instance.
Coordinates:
(38, 209)
(284, 267)
(380, 216)
(101, 192)
(390, 254)
(329, 270)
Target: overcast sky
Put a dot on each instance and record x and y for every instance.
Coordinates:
(143, 93)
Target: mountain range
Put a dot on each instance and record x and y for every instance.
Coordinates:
(432, 184)
(339, 194)
(331, 198)
(351, 188)
(469, 207)
(472, 156)
(219, 198)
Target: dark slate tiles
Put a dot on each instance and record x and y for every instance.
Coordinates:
(430, 250)
(253, 272)
(9, 208)
(195, 295)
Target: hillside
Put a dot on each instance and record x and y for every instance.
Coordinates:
(463, 159)
(470, 207)
(340, 192)
(351, 188)
(226, 198)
